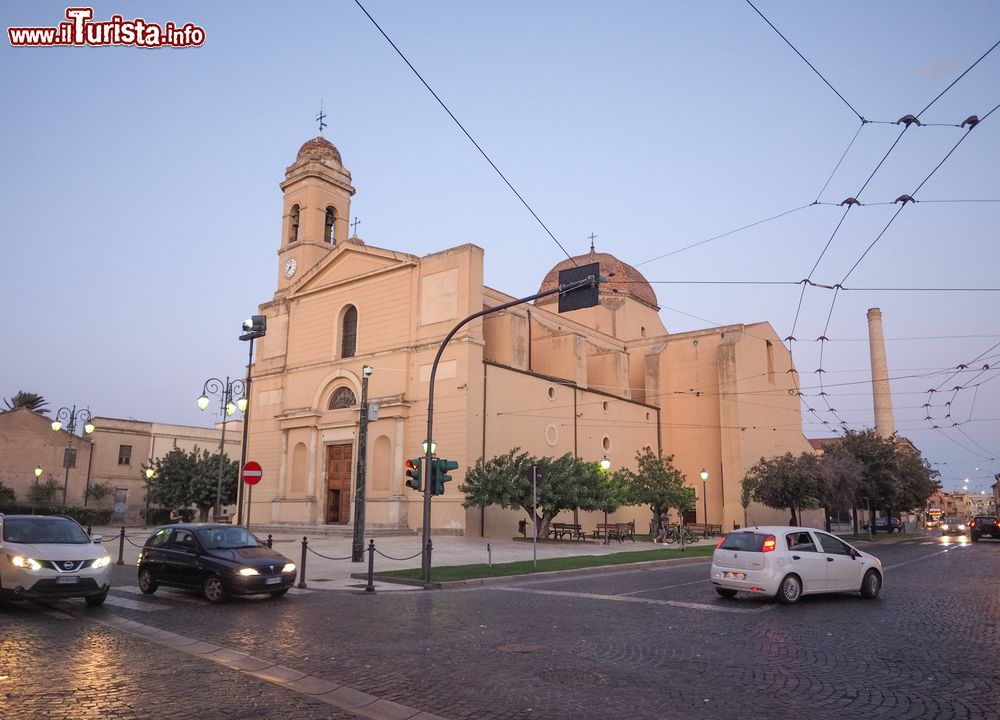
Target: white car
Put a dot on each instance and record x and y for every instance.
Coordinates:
(789, 562)
(51, 557)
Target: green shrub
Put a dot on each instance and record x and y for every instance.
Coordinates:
(84, 516)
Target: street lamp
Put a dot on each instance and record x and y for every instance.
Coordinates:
(225, 391)
(253, 327)
(38, 474)
(71, 416)
(704, 496)
(605, 466)
(149, 473)
(357, 546)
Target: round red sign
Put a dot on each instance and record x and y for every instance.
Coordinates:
(252, 473)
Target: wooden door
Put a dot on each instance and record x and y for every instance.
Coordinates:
(338, 483)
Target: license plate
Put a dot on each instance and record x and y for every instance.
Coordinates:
(272, 581)
(67, 580)
(735, 575)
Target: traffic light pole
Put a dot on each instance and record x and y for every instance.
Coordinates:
(589, 281)
(357, 547)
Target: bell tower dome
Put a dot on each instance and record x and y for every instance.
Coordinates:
(317, 208)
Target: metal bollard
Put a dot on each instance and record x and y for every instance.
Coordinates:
(302, 565)
(270, 541)
(121, 546)
(489, 554)
(370, 587)
(430, 549)
(90, 530)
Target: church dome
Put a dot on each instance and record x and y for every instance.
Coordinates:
(319, 148)
(623, 279)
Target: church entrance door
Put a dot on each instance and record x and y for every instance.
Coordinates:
(338, 478)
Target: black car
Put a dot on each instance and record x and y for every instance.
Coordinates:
(221, 560)
(984, 526)
(884, 524)
(952, 526)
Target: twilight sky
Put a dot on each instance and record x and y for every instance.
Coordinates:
(140, 211)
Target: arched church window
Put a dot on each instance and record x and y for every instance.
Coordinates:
(328, 231)
(293, 224)
(343, 397)
(349, 332)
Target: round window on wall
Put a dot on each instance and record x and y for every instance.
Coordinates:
(605, 406)
(648, 415)
(551, 435)
(606, 443)
(552, 393)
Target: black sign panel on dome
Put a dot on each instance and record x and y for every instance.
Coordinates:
(584, 296)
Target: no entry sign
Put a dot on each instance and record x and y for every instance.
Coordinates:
(252, 473)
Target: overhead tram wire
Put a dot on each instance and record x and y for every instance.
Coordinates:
(818, 73)
(466, 132)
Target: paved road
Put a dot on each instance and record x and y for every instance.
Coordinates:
(636, 643)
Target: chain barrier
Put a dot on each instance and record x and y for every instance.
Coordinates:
(390, 557)
(326, 557)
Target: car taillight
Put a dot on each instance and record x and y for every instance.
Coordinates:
(719, 544)
(972, 523)
(769, 544)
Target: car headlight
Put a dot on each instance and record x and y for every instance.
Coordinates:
(100, 562)
(944, 527)
(289, 567)
(961, 527)
(247, 572)
(23, 562)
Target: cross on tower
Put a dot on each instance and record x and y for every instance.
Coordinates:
(591, 238)
(354, 227)
(321, 117)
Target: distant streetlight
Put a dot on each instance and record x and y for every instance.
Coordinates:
(605, 466)
(704, 496)
(149, 473)
(38, 474)
(71, 416)
(254, 328)
(225, 391)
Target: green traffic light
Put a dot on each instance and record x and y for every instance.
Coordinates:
(439, 474)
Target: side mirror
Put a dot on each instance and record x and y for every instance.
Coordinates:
(97, 538)
(855, 554)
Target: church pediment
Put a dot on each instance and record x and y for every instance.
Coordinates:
(350, 262)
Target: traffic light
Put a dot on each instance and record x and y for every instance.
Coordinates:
(439, 474)
(413, 472)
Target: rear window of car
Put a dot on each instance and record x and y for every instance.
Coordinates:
(745, 541)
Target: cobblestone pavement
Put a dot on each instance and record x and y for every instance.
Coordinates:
(628, 642)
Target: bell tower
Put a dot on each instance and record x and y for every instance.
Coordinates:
(317, 209)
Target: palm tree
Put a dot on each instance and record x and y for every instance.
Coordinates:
(30, 400)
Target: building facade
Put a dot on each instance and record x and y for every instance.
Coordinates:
(601, 382)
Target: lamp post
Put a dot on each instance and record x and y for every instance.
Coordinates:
(253, 327)
(357, 547)
(149, 473)
(704, 496)
(605, 466)
(38, 474)
(225, 392)
(71, 416)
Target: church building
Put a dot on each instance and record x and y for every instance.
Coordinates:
(602, 382)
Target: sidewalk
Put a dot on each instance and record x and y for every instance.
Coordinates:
(333, 572)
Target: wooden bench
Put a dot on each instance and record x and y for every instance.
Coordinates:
(615, 531)
(558, 530)
(705, 529)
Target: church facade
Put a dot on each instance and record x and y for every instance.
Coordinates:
(603, 382)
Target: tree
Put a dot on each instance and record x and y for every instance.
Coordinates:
(840, 475)
(787, 481)
(32, 401)
(658, 484)
(186, 478)
(98, 490)
(567, 483)
(6, 494)
(43, 493)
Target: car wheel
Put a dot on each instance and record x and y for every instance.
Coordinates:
(96, 600)
(790, 590)
(214, 591)
(146, 582)
(871, 584)
(726, 593)
(279, 593)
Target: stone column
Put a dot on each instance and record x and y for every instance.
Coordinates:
(881, 394)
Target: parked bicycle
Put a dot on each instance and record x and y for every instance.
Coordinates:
(679, 533)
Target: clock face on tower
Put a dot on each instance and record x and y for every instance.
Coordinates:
(290, 266)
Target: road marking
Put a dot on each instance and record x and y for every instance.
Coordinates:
(135, 590)
(664, 587)
(141, 605)
(647, 601)
(924, 557)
